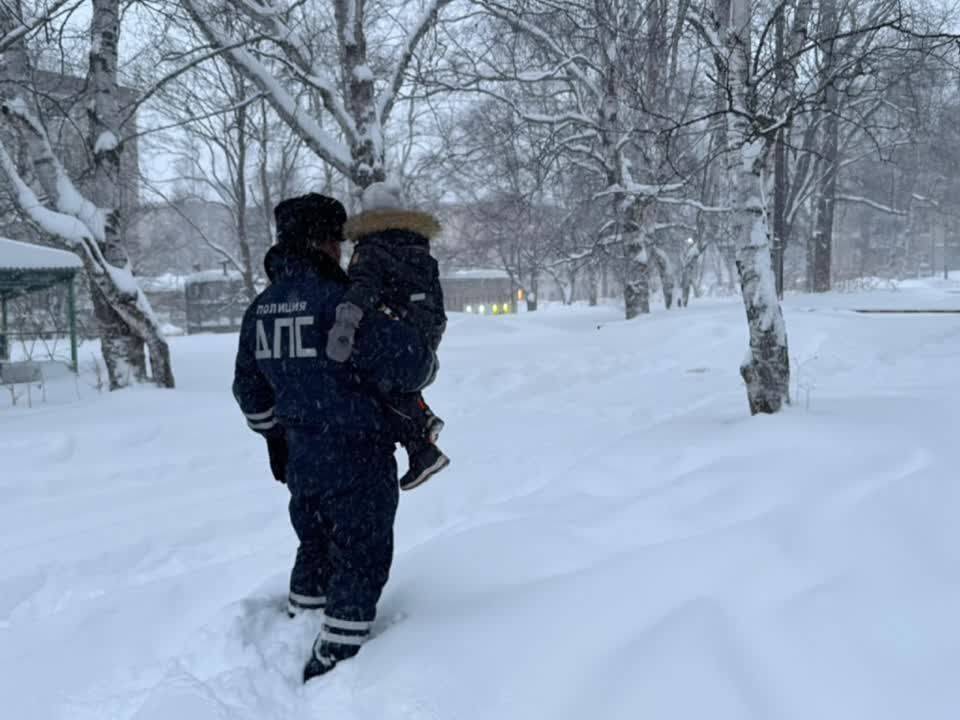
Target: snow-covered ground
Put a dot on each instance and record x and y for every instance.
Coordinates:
(616, 538)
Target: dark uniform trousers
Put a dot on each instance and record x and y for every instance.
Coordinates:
(343, 503)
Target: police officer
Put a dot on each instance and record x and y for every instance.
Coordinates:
(326, 432)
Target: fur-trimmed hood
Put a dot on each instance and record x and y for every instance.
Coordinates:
(370, 222)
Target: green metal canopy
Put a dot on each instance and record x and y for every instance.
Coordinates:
(26, 268)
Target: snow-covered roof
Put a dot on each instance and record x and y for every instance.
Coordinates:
(16, 255)
(478, 274)
(168, 282)
(208, 275)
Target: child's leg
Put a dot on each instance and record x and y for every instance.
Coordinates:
(414, 422)
(417, 428)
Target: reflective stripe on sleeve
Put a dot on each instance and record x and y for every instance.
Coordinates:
(265, 415)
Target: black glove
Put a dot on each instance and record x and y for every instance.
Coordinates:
(277, 448)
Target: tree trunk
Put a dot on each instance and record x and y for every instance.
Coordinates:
(787, 49)
(367, 151)
(266, 197)
(129, 323)
(766, 369)
(122, 351)
(124, 319)
(533, 296)
(592, 283)
(686, 281)
(636, 282)
(634, 270)
(780, 178)
(240, 118)
(637, 244)
(728, 254)
(692, 258)
(826, 198)
(780, 190)
(667, 276)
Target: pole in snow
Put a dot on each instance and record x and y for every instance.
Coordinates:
(72, 312)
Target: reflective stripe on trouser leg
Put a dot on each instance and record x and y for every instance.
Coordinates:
(309, 600)
(307, 577)
(296, 602)
(341, 639)
(351, 625)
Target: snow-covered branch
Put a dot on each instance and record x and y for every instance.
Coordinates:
(61, 225)
(427, 20)
(297, 57)
(512, 17)
(321, 142)
(860, 200)
(68, 199)
(18, 30)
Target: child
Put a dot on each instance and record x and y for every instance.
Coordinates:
(392, 269)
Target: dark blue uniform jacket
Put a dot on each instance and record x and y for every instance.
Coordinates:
(283, 378)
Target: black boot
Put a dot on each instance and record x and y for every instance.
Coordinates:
(434, 427)
(316, 667)
(326, 654)
(426, 460)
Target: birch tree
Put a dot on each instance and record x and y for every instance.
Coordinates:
(766, 368)
(89, 225)
(604, 64)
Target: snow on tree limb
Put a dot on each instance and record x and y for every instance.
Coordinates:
(107, 141)
(511, 16)
(61, 225)
(71, 229)
(263, 9)
(661, 194)
(22, 29)
(297, 57)
(695, 204)
(427, 20)
(860, 200)
(69, 200)
(322, 143)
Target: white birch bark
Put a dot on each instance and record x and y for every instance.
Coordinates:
(89, 226)
(766, 368)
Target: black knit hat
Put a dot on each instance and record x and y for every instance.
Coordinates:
(309, 219)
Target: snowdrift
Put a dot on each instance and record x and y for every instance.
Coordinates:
(616, 538)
